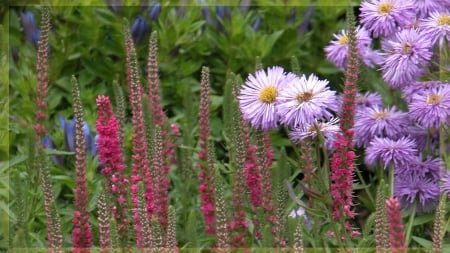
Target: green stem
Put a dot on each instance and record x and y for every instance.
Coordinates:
(391, 179)
(365, 185)
(442, 146)
(410, 222)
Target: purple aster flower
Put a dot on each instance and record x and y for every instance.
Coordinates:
(419, 88)
(371, 57)
(368, 99)
(337, 50)
(384, 17)
(379, 122)
(407, 53)
(327, 129)
(387, 151)
(445, 187)
(437, 27)
(427, 139)
(413, 189)
(258, 97)
(432, 108)
(300, 213)
(302, 101)
(425, 7)
(428, 168)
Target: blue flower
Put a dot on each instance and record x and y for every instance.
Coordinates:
(47, 142)
(155, 9)
(68, 128)
(138, 29)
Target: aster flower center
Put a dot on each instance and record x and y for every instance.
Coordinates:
(380, 115)
(304, 97)
(343, 40)
(434, 99)
(443, 20)
(268, 94)
(407, 48)
(384, 8)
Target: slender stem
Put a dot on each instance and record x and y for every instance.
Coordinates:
(410, 222)
(391, 179)
(365, 185)
(442, 146)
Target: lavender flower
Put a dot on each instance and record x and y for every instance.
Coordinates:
(327, 129)
(300, 212)
(426, 138)
(418, 88)
(425, 7)
(379, 122)
(387, 151)
(384, 17)
(302, 101)
(407, 53)
(258, 97)
(368, 99)
(413, 189)
(430, 167)
(337, 50)
(431, 109)
(68, 128)
(445, 187)
(437, 27)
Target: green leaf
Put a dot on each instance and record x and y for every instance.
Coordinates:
(423, 242)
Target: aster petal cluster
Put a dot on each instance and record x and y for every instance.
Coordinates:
(384, 17)
(407, 53)
(258, 97)
(416, 190)
(327, 129)
(337, 50)
(387, 151)
(437, 27)
(426, 7)
(419, 88)
(379, 122)
(431, 109)
(304, 100)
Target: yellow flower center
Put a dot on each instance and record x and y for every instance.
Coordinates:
(384, 8)
(434, 99)
(407, 48)
(268, 94)
(380, 115)
(343, 40)
(304, 97)
(443, 20)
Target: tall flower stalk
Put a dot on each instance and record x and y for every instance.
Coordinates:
(54, 233)
(161, 166)
(206, 188)
(140, 164)
(396, 228)
(81, 232)
(342, 161)
(113, 163)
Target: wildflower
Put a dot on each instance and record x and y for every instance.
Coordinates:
(258, 97)
(407, 53)
(416, 190)
(68, 127)
(256, 23)
(368, 99)
(387, 151)
(426, 138)
(396, 228)
(437, 27)
(418, 88)
(138, 29)
(432, 108)
(384, 17)
(30, 30)
(300, 212)
(337, 51)
(445, 187)
(302, 101)
(379, 122)
(327, 129)
(425, 7)
(429, 168)
(155, 9)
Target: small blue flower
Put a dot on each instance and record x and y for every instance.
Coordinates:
(257, 23)
(114, 5)
(138, 29)
(155, 9)
(69, 136)
(35, 37)
(29, 27)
